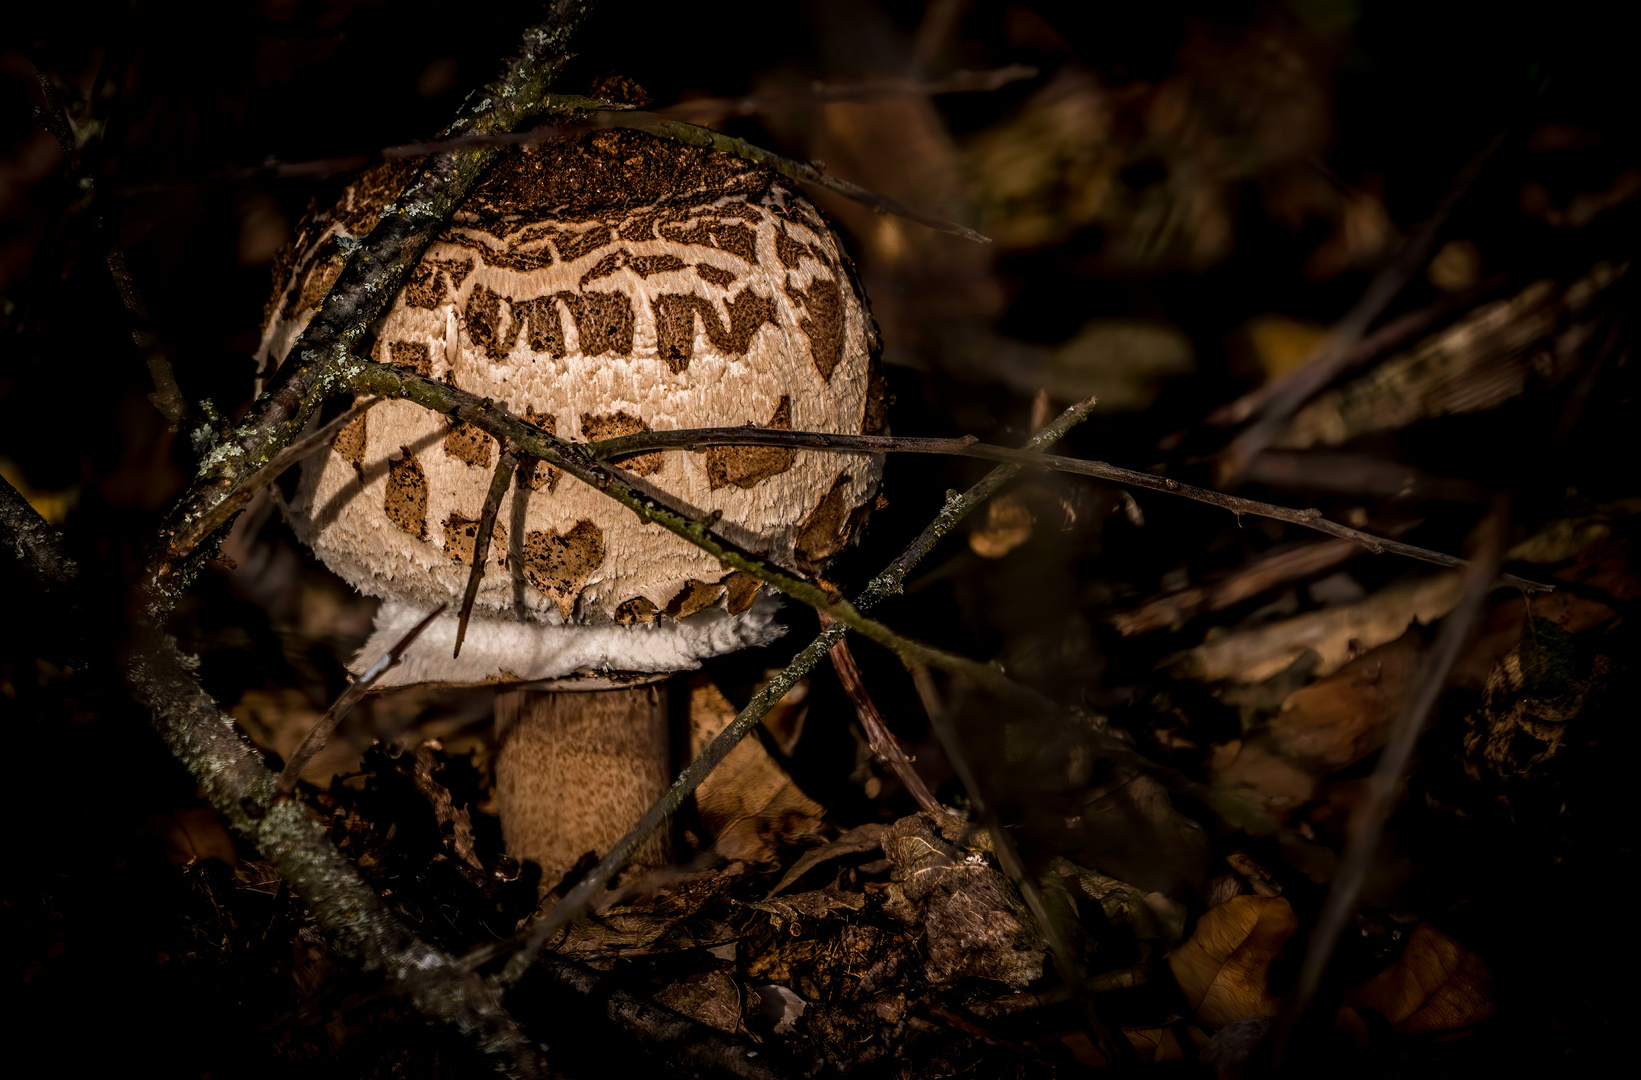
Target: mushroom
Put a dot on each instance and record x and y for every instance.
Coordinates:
(596, 287)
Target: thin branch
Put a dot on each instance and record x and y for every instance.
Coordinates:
(693, 135)
(697, 438)
(321, 361)
(1337, 351)
(360, 923)
(192, 534)
(660, 508)
(320, 733)
(1368, 822)
(505, 468)
(878, 736)
(705, 110)
(579, 900)
(1115, 1048)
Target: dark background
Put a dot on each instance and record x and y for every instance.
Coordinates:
(1210, 222)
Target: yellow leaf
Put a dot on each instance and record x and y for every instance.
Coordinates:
(1224, 968)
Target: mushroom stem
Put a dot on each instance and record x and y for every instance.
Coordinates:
(576, 769)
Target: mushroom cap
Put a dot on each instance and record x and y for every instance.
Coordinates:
(597, 287)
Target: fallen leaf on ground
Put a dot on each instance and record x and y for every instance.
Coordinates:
(1335, 634)
(1438, 986)
(1007, 526)
(1224, 968)
(748, 804)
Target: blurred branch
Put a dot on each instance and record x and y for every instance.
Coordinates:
(1114, 1047)
(1175, 608)
(706, 110)
(660, 508)
(1368, 820)
(1391, 335)
(167, 396)
(321, 361)
(967, 446)
(579, 900)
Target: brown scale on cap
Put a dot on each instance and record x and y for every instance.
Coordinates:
(694, 596)
(406, 502)
(596, 428)
(471, 444)
(349, 443)
(560, 565)
(411, 354)
(461, 533)
(748, 466)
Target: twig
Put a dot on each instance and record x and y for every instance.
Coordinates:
(578, 901)
(1115, 1048)
(191, 535)
(1251, 580)
(704, 110)
(320, 733)
(692, 135)
(321, 360)
(167, 396)
(660, 508)
(1338, 350)
(696, 438)
(1368, 821)
(505, 468)
(878, 736)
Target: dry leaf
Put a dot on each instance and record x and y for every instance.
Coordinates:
(1007, 526)
(1223, 969)
(748, 803)
(1437, 986)
(1336, 634)
(712, 998)
(1339, 720)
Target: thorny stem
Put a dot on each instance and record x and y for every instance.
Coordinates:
(703, 110)
(579, 900)
(659, 508)
(697, 438)
(878, 736)
(693, 135)
(505, 468)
